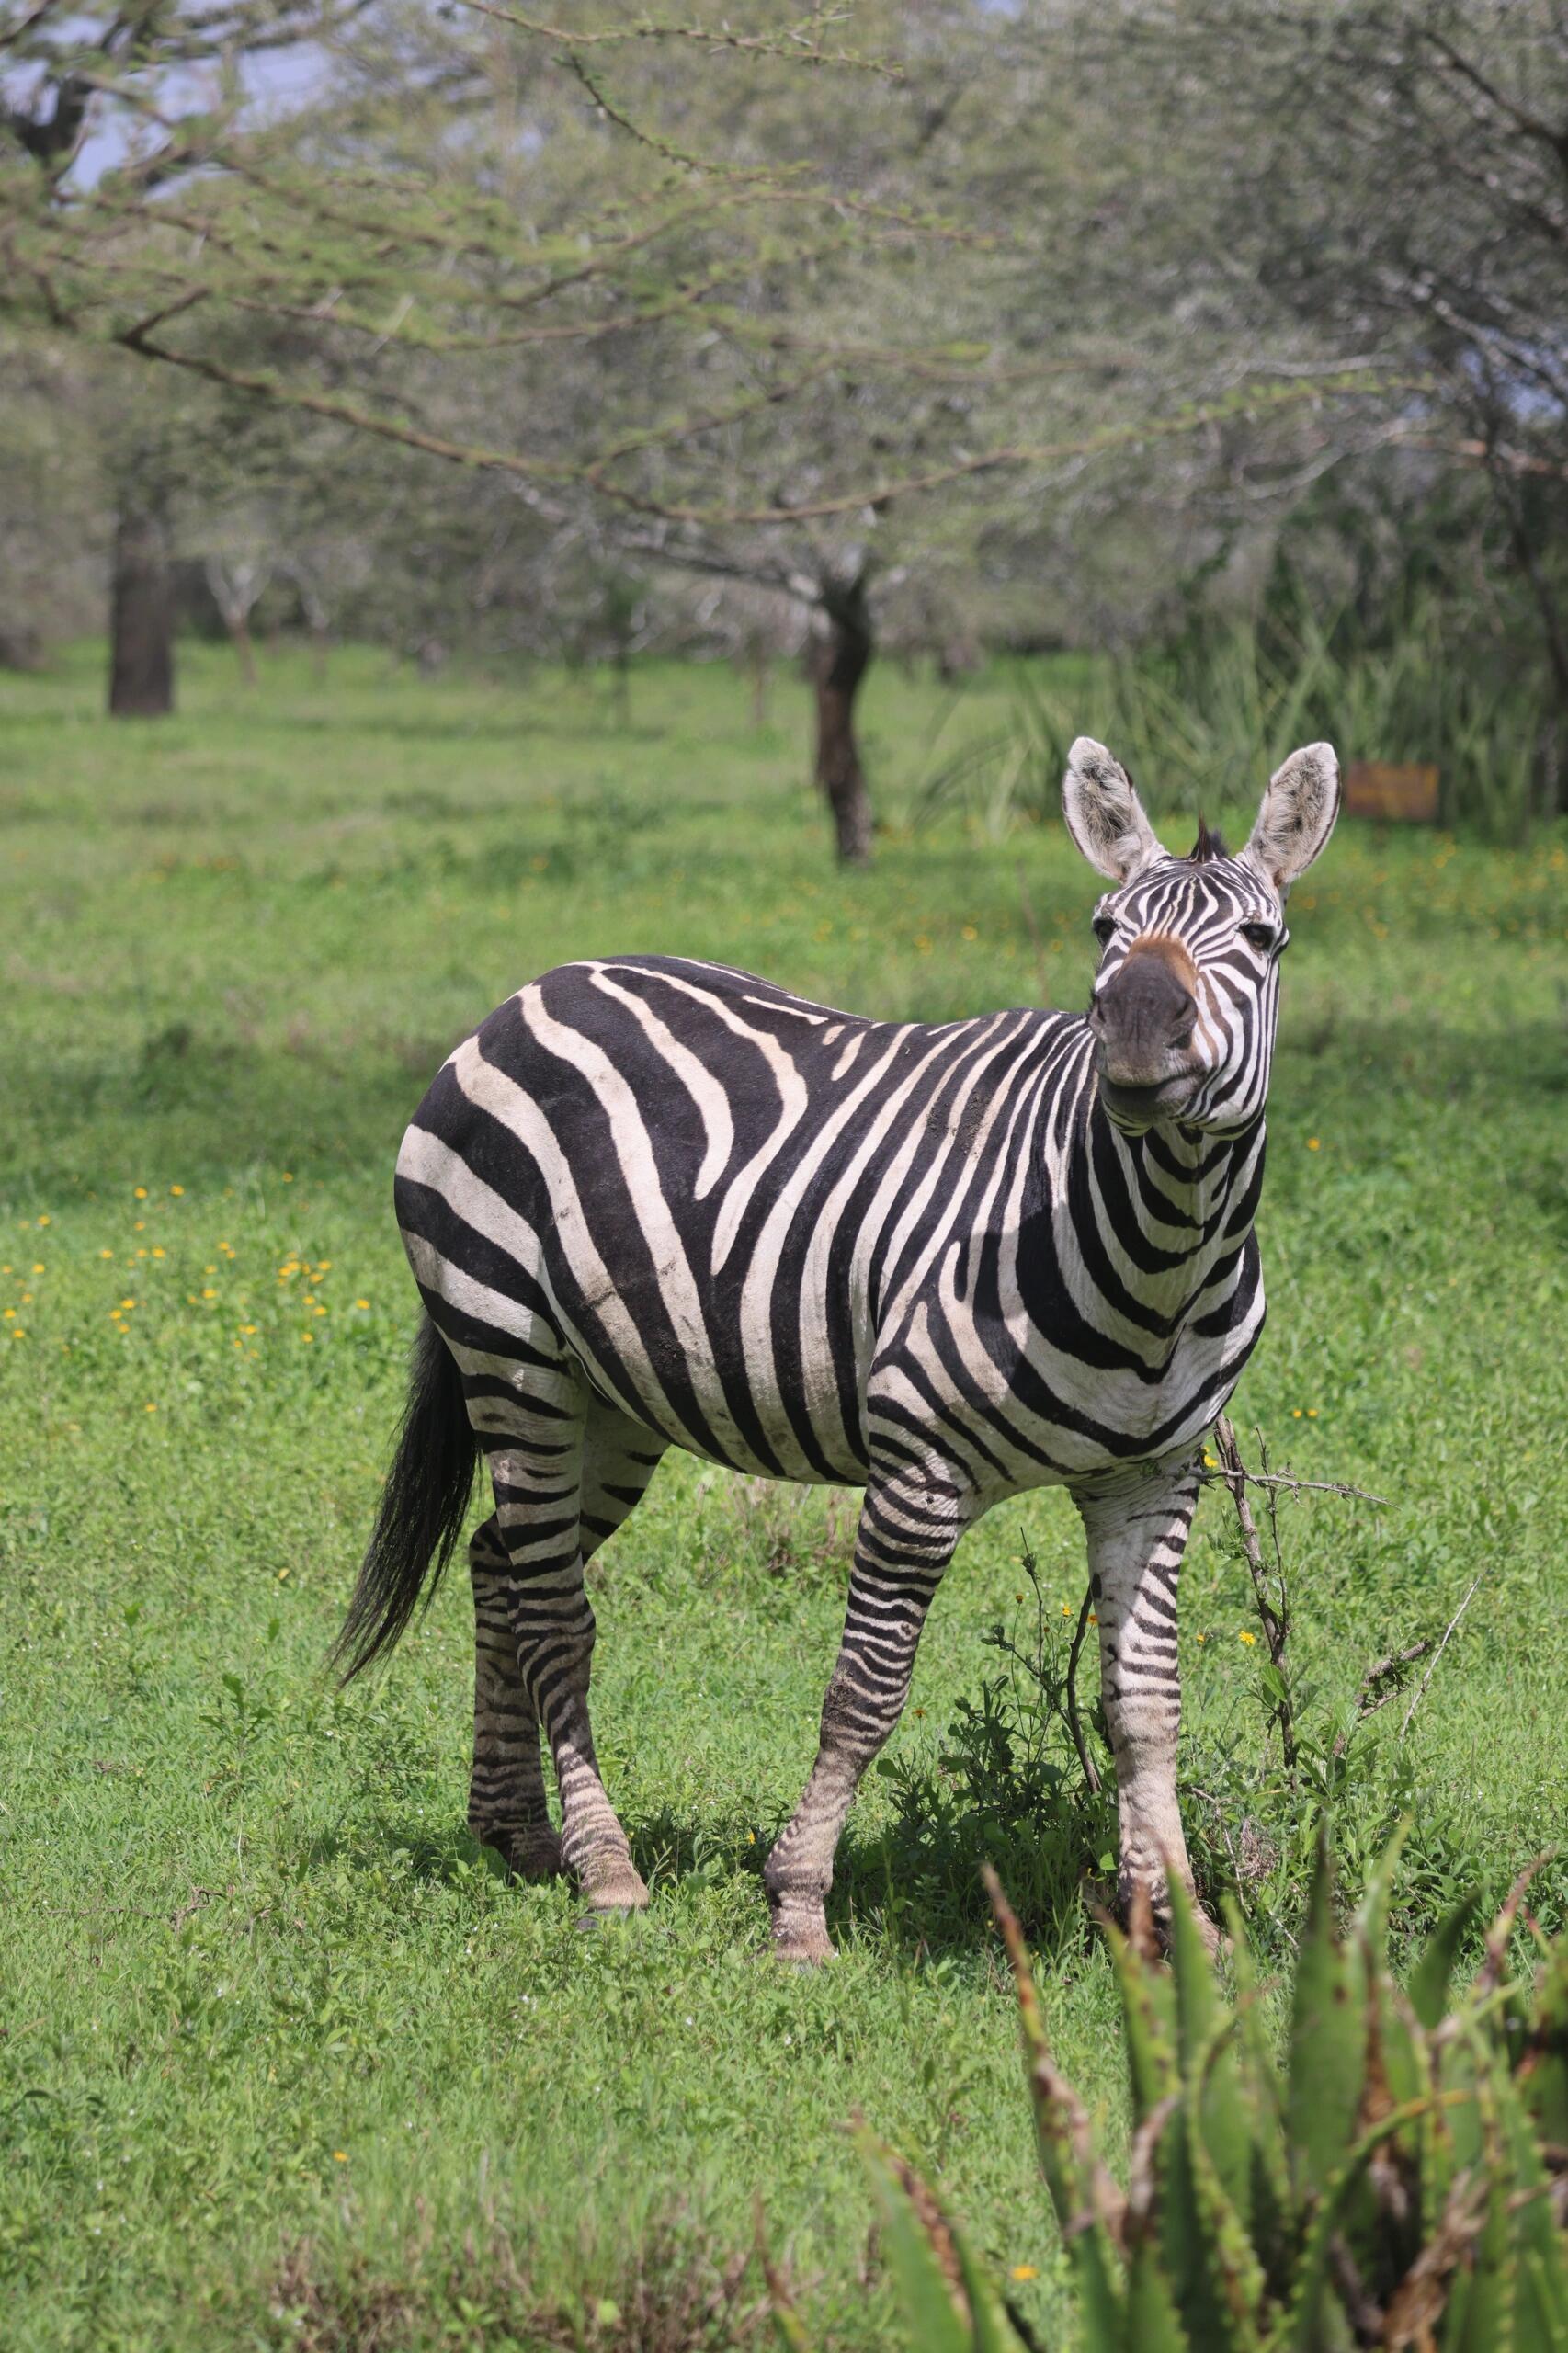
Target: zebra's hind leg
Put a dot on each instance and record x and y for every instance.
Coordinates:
(537, 1469)
(507, 1805)
(1137, 1525)
(909, 1524)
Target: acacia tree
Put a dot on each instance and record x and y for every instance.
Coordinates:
(748, 314)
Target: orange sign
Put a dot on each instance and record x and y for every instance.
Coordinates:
(1397, 793)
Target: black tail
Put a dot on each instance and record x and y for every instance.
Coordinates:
(424, 1505)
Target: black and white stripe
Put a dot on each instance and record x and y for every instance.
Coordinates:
(654, 1201)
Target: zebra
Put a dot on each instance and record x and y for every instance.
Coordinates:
(654, 1201)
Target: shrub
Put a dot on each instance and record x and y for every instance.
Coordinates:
(1397, 2176)
(1204, 724)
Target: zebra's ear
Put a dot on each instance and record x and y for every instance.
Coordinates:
(1104, 814)
(1297, 816)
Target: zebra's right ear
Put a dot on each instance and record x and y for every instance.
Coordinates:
(1105, 816)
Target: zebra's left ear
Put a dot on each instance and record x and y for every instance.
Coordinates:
(1297, 816)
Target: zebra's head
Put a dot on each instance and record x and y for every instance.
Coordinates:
(1187, 990)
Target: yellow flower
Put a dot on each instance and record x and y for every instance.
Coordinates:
(1023, 2271)
(1311, 1413)
(157, 1250)
(208, 1293)
(361, 1303)
(1312, 1144)
(44, 1220)
(177, 1190)
(103, 1254)
(150, 1408)
(340, 2156)
(969, 932)
(307, 1338)
(1249, 1638)
(128, 1302)
(38, 1266)
(288, 1175)
(140, 1192)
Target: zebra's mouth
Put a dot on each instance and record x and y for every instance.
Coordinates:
(1139, 1107)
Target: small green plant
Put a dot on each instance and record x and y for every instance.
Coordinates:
(1397, 2177)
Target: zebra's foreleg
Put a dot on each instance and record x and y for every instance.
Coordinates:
(909, 1525)
(506, 1803)
(1137, 1525)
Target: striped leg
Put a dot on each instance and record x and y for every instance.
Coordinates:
(506, 1803)
(538, 1473)
(909, 1524)
(1137, 1527)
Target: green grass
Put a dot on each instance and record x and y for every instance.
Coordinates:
(281, 2061)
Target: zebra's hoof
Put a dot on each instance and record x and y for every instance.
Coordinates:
(534, 1856)
(804, 1944)
(618, 1890)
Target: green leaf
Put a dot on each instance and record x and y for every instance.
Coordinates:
(1206, 2041)
(1233, 2286)
(1301, 2329)
(1270, 2203)
(921, 2285)
(993, 2332)
(1152, 2326)
(1428, 1982)
(1326, 2040)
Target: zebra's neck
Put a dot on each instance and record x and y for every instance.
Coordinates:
(1173, 1209)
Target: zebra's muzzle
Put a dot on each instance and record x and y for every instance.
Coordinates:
(1144, 1018)
(1139, 1107)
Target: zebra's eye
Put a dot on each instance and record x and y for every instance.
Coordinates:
(1104, 929)
(1261, 935)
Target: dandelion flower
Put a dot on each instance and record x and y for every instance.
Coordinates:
(208, 1293)
(361, 1303)
(1312, 1144)
(1247, 1638)
(140, 1192)
(38, 1266)
(150, 1407)
(177, 1190)
(1023, 2271)
(340, 2156)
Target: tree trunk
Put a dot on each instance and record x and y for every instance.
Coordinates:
(238, 627)
(141, 675)
(841, 657)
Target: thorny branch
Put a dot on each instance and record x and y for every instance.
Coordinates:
(1275, 1621)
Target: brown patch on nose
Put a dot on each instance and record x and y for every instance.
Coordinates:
(1142, 1016)
(1170, 951)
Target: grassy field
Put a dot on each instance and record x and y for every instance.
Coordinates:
(282, 2060)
